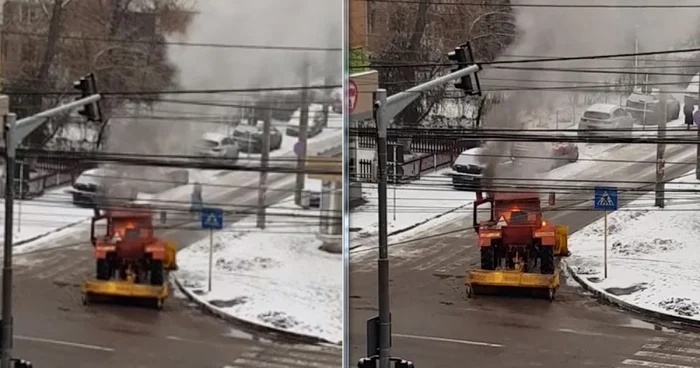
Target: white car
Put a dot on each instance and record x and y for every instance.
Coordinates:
(89, 188)
(467, 170)
(605, 116)
(218, 145)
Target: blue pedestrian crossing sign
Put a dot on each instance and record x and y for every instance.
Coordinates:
(605, 199)
(212, 218)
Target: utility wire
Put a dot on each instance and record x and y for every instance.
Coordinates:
(175, 92)
(536, 5)
(175, 43)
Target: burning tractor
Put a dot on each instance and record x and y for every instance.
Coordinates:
(517, 246)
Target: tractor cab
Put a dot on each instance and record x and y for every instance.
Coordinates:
(127, 225)
(509, 209)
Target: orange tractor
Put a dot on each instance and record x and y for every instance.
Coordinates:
(130, 261)
(518, 247)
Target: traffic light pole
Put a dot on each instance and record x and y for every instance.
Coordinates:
(16, 131)
(386, 108)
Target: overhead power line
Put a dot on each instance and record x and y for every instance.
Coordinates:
(551, 59)
(176, 43)
(539, 5)
(193, 162)
(176, 92)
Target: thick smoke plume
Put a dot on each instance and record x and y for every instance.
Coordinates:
(562, 32)
(308, 23)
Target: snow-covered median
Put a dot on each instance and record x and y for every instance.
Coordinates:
(652, 254)
(275, 277)
(44, 215)
(418, 202)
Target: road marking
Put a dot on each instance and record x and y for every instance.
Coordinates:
(682, 358)
(676, 349)
(643, 363)
(587, 333)
(64, 343)
(455, 341)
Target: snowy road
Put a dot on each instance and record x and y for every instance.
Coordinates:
(56, 330)
(436, 325)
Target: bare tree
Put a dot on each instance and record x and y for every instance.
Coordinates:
(435, 29)
(122, 41)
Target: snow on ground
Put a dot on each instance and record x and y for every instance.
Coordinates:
(44, 215)
(652, 255)
(276, 277)
(416, 203)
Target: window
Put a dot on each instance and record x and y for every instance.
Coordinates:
(227, 141)
(597, 115)
(620, 113)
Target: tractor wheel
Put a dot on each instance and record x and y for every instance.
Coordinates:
(547, 260)
(156, 272)
(487, 258)
(103, 269)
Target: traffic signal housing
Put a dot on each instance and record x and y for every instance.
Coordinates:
(87, 86)
(463, 57)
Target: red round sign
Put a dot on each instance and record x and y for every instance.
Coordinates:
(352, 95)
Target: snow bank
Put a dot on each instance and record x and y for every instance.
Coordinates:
(652, 257)
(275, 277)
(416, 203)
(45, 215)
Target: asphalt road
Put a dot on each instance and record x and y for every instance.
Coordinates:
(435, 325)
(53, 328)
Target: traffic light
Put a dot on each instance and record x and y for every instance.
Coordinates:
(462, 57)
(87, 86)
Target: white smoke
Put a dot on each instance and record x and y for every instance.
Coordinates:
(264, 23)
(566, 32)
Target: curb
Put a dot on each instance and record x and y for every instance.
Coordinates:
(417, 224)
(276, 332)
(615, 301)
(37, 237)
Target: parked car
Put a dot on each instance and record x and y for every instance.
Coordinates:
(564, 152)
(648, 109)
(249, 138)
(467, 170)
(605, 116)
(217, 145)
(315, 126)
(90, 188)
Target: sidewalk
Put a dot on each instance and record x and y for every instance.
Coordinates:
(652, 254)
(417, 203)
(277, 277)
(44, 215)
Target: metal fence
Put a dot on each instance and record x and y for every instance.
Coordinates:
(366, 169)
(423, 143)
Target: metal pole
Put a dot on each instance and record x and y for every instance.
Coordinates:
(605, 245)
(636, 51)
(697, 155)
(303, 128)
(6, 342)
(250, 144)
(211, 256)
(19, 202)
(264, 162)
(660, 151)
(383, 261)
(396, 171)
